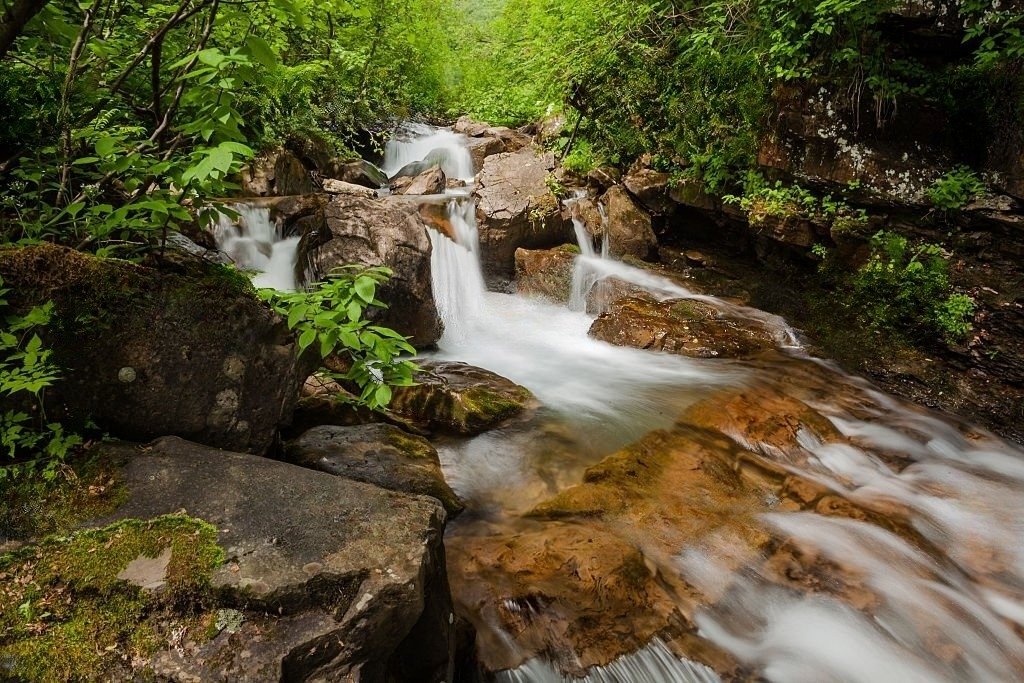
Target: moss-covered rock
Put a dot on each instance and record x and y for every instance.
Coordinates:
(148, 352)
(87, 486)
(81, 607)
(458, 398)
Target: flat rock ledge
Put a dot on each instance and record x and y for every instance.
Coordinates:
(337, 580)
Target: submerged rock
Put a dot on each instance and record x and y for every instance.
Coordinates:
(458, 398)
(516, 209)
(336, 579)
(681, 326)
(378, 454)
(147, 352)
(380, 232)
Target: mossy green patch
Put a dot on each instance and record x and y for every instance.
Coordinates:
(412, 446)
(86, 486)
(66, 616)
(483, 406)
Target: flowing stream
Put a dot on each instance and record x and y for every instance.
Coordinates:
(907, 566)
(794, 523)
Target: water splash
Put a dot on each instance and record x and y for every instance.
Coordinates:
(653, 664)
(418, 142)
(256, 244)
(591, 270)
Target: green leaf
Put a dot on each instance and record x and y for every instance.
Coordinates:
(296, 315)
(365, 288)
(306, 339)
(105, 146)
(261, 51)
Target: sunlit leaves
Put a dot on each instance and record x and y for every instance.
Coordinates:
(332, 320)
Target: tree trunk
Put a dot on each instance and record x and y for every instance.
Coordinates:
(16, 13)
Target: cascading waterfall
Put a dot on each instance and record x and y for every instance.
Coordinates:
(961, 495)
(255, 243)
(415, 142)
(456, 277)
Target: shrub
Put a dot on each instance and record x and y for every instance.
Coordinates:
(907, 289)
(956, 189)
(331, 319)
(26, 370)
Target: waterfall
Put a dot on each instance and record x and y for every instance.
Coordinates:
(653, 664)
(956, 592)
(457, 279)
(255, 244)
(414, 142)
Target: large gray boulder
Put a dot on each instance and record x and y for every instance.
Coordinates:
(335, 579)
(379, 232)
(146, 352)
(379, 454)
(516, 209)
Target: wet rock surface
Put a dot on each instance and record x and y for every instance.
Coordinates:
(516, 209)
(146, 353)
(378, 454)
(458, 398)
(338, 580)
(359, 172)
(546, 273)
(384, 232)
(681, 326)
(628, 227)
(431, 181)
(691, 529)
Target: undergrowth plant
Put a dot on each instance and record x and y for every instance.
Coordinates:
(906, 288)
(330, 319)
(956, 189)
(26, 371)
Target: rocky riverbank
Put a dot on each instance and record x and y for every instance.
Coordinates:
(255, 525)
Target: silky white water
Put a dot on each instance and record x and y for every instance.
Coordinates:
(255, 244)
(418, 142)
(937, 597)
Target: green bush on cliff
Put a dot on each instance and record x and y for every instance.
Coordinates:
(331, 320)
(956, 189)
(702, 81)
(906, 289)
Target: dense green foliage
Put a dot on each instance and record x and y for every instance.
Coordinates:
(331, 319)
(125, 118)
(956, 189)
(698, 81)
(905, 289)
